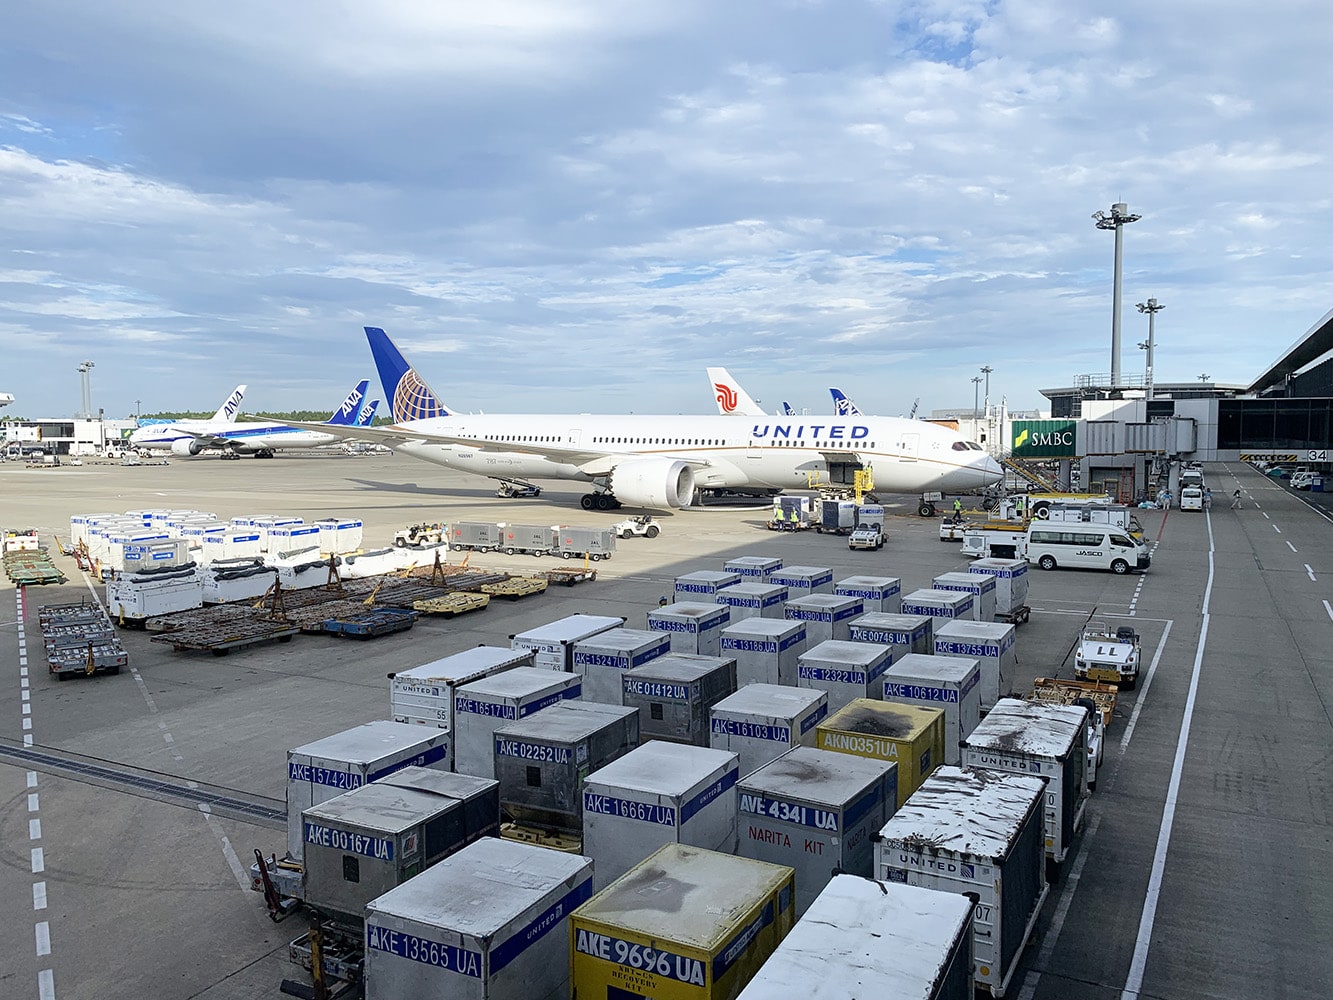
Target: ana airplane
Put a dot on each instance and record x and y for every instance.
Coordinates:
(261, 438)
(661, 462)
(842, 406)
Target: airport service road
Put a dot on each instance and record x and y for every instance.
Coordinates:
(142, 898)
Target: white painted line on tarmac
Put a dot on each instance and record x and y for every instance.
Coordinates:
(1139, 963)
(1277, 529)
(233, 862)
(1147, 684)
(46, 985)
(39, 895)
(1292, 547)
(1266, 515)
(32, 779)
(1310, 573)
(1329, 610)
(34, 829)
(143, 689)
(38, 860)
(43, 938)
(27, 739)
(32, 802)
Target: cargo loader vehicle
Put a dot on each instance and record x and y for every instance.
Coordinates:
(1107, 654)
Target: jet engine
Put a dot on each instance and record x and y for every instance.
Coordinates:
(660, 483)
(186, 446)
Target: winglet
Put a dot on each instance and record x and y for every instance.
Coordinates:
(227, 411)
(731, 398)
(842, 406)
(350, 411)
(410, 398)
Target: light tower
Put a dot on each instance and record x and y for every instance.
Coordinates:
(986, 370)
(86, 388)
(1152, 307)
(976, 414)
(1117, 220)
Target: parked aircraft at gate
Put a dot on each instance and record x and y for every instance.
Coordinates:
(661, 462)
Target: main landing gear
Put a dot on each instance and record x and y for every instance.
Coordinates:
(599, 501)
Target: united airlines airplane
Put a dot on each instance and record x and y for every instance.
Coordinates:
(661, 462)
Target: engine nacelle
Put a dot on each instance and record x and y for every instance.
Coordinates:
(186, 446)
(660, 483)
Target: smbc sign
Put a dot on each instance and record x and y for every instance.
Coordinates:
(1043, 438)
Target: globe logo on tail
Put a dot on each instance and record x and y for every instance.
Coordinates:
(413, 400)
(726, 397)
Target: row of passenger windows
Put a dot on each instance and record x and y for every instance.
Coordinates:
(1074, 538)
(697, 442)
(705, 442)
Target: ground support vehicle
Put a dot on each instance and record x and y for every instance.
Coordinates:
(1039, 505)
(1085, 546)
(370, 624)
(594, 543)
(1107, 654)
(866, 536)
(517, 488)
(952, 528)
(79, 639)
(419, 536)
(642, 526)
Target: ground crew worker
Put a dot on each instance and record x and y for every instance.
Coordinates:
(957, 508)
(1235, 500)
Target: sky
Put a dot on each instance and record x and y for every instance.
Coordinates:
(577, 206)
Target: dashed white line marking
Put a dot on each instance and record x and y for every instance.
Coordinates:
(1266, 515)
(1292, 547)
(1329, 610)
(38, 860)
(27, 708)
(46, 985)
(233, 862)
(1277, 529)
(43, 938)
(34, 829)
(39, 895)
(27, 723)
(32, 779)
(1310, 573)
(27, 739)
(32, 802)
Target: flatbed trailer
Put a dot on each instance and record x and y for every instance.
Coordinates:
(104, 656)
(569, 577)
(1055, 691)
(1016, 616)
(370, 624)
(230, 627)
(516, 587)
(455, 604)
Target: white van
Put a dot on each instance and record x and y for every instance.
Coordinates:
(1301, 480)
(1085, 547)
(1191, 498)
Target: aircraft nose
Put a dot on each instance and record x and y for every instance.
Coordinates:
(992, 469)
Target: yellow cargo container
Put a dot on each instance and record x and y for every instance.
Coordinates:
(910, 736)
(684, 924)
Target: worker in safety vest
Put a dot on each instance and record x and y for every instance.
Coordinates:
(957, 508)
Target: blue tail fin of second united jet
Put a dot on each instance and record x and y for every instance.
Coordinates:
(350, 410)
(410, 398)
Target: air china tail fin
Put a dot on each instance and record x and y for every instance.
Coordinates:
(368, 414)
(410, 398)
(228, 410)
(842, 406)
(350, 411)
(731, 398)
(787, 410)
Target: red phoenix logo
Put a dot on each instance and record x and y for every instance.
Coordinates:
(726, 397)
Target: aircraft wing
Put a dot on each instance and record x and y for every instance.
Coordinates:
(206, 440)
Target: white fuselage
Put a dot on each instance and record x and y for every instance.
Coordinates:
(244, 437)
(907, 456)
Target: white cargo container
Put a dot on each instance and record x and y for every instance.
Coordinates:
(803, 581)
(818, 812)
(951, 683)
(846, 670)
(138, 596)
(268, 524)
(195, 533)
(879, 594)
(318, 771)
(908, 942)
(980, 585)
(905, 633)
(117, 543)
(482, 706)
(675, 693)
(991, 644)
(761, 722)
(169, 553)
(1045, 740)
(753, 600)
(756, 568)
(488, 923)
(660, 793)
(765, 649)
(554, 642)
(942, 605)
(702, 584)
(293, 538)
(1011, 581)
(425, 695)
(339, 534)
(541, 761)
(979, 833)
(694, 627)
(603, 659)
(79, 524)
(226, 580)
(826, 616)
(230, 544)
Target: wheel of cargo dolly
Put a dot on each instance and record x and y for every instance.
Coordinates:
(595, 556)
(509, 550)
(566, 555)
(1046, 562)
(1119, 567)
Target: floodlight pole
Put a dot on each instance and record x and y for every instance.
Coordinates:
(1152, 307)
(1117, 220)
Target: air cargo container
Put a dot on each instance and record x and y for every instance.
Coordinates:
(488, 923)
(911, 737)
(602, 659)
(482, 705)
(226, 580)
(803, 581)
(837, 517)
(1048, 741)
(554, 642)
(362, 843)
(293, 537)
(339, 534)
(694, 627)
(675, 693)
(541, 761)
(979, 833)
(529, 539)
(171, 553)
(992, 645)
(685, 923)
(943, 606)
(230, 544)
(980, 585)
(846, 670)
(818, 812)
(951, 683)
(79, 525)
(484, 536)
(196, 533)
(761, 722)
(660, 793)
(905, 633)
(879, 594)
(1011, 582)
(826, 616)
(756, 568)
(908, 942)
(136, 597)
(425, 695)
(753, 600)
(765, 649)
(703, 584)
(117, 543)
(595, 543)
(318, 771)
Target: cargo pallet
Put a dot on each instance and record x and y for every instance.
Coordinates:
(1018, 616)
(225, 632)
(78, 639)
(1052, 690)
(30, 567)
(554, 840)
(459, 603)
(569, 577)
(370, 624)
(515, 587)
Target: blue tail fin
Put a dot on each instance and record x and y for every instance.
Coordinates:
(842, 406)
(368, 414)
(410, 398)
(787, 411)
(351, 406)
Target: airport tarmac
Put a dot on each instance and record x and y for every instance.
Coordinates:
(127, 825)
